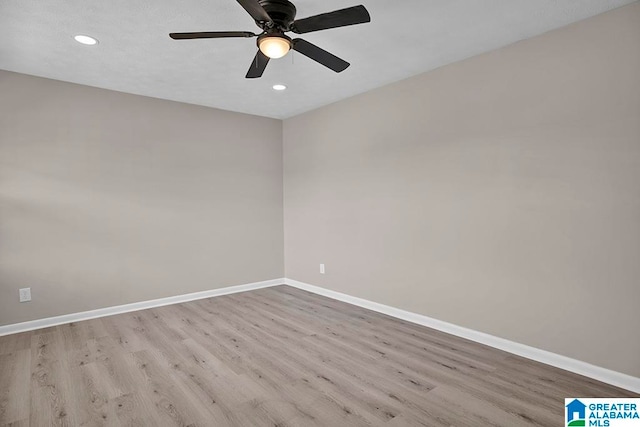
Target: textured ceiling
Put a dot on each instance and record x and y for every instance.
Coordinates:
(136, 55)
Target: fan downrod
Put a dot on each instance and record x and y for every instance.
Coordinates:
(281, 12)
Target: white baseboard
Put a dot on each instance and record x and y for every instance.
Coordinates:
(563, 362)
(618, 379)
(110, 311)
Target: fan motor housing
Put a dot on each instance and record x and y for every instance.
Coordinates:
(281, 12)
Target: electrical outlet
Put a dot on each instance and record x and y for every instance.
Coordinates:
(25, 294)
(321, 268)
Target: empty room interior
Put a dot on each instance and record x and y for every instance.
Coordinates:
(306, 213)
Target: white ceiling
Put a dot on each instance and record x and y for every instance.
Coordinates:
(136, 55)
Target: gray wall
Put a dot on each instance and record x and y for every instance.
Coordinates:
(108, 198)
(501, 193)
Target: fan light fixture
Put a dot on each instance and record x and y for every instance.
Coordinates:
(277, 17)
(274, 46)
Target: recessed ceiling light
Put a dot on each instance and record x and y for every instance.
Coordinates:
(85, 40)
(279, 87)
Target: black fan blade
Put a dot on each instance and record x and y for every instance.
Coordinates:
(258, 65)
(338, 18)
(320, 55)
(210, 35)
(256, 10)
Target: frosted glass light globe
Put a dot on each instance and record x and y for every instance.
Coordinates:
(274, 47)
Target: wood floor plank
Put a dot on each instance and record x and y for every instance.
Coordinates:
(51, 385)
(172, 408)
(21, 423)
(15, 384)
(277, 356)
(15, 342)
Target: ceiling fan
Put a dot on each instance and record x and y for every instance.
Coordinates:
(276, 17)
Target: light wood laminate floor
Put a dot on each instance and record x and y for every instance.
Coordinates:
(272, 357)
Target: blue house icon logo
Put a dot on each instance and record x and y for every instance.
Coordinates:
(576, 413)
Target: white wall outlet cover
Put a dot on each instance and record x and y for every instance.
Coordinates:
(321, 268)
(25, 294)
